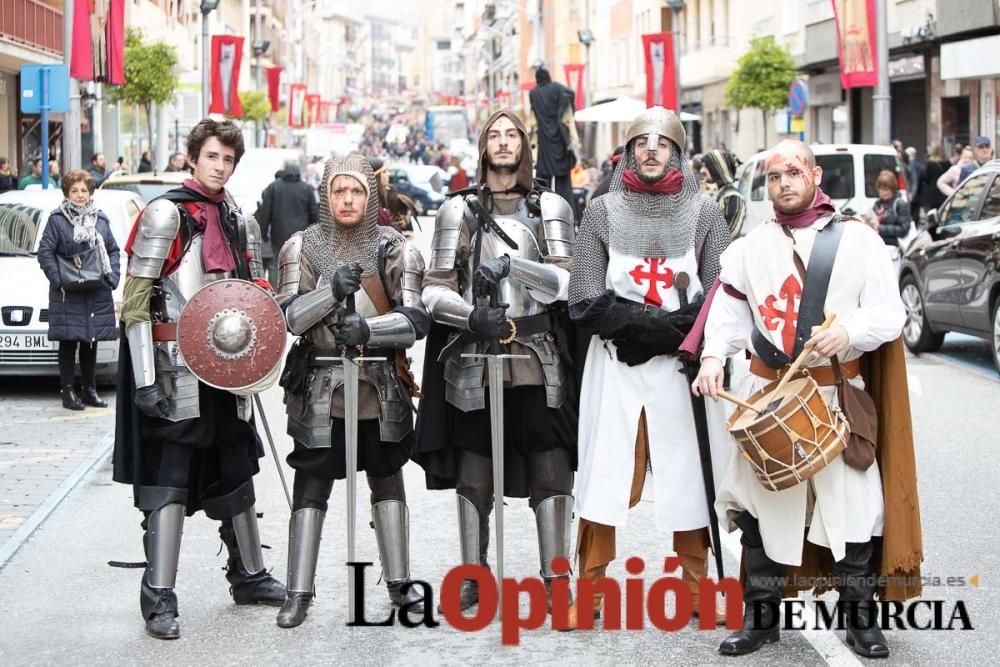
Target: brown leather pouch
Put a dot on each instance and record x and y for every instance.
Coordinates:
(859, 409)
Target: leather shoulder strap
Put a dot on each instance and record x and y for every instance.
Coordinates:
(373, 287)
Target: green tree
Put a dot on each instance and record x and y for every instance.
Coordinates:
(762, 78)
(149, 76)
(256, 106)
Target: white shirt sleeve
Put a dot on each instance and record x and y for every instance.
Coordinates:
(881, 314)
(728, 327)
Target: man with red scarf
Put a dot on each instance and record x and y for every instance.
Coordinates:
(769, 303)
(180, 443)
(645, 254)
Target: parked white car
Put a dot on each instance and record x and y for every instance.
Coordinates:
(849, 175)
(24, 346)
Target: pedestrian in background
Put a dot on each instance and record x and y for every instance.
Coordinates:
(34, 176)
(982, 153)
(719, 168)
(459, 179)
(937, 165)
(554, 133)
(951, 179)
(8, 179)
(146, 163)
(98, 168)
(915, 167)
(79, 319)
(177, 162)
(890, 213)
(289, 205)
(53, 172)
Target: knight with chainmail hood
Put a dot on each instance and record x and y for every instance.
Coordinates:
(498, 279)
(347, 254)
(645, 254)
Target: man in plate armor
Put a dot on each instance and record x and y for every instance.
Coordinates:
(181, 443)
(499, 274)
(348, 259)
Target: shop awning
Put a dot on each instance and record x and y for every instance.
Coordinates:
(621, 110)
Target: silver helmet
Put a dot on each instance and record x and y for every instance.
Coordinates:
(657, 122)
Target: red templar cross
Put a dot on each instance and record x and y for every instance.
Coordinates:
(788, 315)
(653, 275)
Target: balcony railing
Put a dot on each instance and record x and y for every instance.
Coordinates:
(33, 24)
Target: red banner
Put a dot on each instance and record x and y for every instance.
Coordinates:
(273, 85)
(327, 112)
(227, 54)
(97, 52)
(855, 21)
(297, 105)
(574, 79)
(312, 104)
(661, 77)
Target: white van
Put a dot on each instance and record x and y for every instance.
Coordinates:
(24, 345)
(849, 175)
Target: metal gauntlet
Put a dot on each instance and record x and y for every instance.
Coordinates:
(140, 345)
(306, 311)
(549, 282)
(391, 330)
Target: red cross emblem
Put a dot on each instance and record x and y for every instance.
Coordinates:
(788, 314)
(653, 275)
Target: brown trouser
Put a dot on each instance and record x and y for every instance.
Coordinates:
(596, 541)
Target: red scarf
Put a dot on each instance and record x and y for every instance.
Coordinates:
(669, 184)
(215, 252)
(822, 205)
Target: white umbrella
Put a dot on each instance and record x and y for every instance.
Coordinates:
(621, 110)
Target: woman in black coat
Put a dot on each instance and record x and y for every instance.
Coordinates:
(79, 318)
(890, 211)
(930, 195)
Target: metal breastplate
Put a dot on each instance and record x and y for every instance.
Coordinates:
(523, 229)
(189, 277)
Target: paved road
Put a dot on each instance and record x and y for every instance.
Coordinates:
(63, 604)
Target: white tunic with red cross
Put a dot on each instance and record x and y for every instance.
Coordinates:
(865, 299)
(613, 396)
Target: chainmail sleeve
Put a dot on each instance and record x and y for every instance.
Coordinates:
(589, 267)
(711, 238)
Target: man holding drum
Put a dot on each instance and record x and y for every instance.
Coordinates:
(779, 282)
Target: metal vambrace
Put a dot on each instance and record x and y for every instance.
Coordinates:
(307, 310)
(447, 307)
(140, 345)
(256, 259)
(548, 283)
(391, 330)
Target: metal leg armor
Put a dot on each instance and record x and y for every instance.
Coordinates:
(305, 531)
(162, 543)
(248, 540)
(392, 532)
(249, 582)
(554, 521)
(474, 537)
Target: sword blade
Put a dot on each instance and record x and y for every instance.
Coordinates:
(351, 451)
(274, 451)
(707, 473)
(495, 365)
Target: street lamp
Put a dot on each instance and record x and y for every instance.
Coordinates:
(676, 6)
(207, 6)
(586, 38)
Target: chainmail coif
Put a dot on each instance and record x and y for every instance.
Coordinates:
(329, 244)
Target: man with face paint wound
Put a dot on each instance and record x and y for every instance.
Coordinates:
(645, 254)
(850, 509)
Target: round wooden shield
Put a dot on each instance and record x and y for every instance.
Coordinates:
(232, 335)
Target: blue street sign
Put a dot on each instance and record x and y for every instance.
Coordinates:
(798, 97)
(31, 88)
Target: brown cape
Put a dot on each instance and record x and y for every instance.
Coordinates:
(884, 372)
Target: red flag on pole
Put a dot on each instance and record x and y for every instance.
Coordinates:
(114, 34)
(312, 103)
(855, 21)
(81, 60)
(297, 105)
(273, 85)
(227, 53)
(661, 79)
(574, 79)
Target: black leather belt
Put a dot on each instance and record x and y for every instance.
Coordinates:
(535, 324)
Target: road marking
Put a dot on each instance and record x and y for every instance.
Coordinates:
(825, 642)
(14, 542)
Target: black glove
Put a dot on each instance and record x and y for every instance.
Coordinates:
(632, 353)
(489, 322)
(151, 401)
(346, 281)
(617, 317)
(489, 274)
(653, 332)
(351, 330)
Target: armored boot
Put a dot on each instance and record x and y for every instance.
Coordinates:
(761, 594)
(392, 532)
(162, 543)
(474, 537)
(857, 590)
(305, 531)
(249, 582)
(691, 547)
(554, 522)
(70, 400)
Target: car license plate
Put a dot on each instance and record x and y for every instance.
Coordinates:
(25, 342)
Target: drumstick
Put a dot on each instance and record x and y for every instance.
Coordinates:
(786, 378)
(738, 401)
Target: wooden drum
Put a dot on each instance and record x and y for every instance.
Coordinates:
(796, 440)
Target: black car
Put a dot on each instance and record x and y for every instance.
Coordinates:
(949, 275)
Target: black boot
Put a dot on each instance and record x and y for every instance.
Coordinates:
(161, 542)
(69, 398)
(90, 397)
(761, 594)
(159, 608)
(412, 596)
(247, 588)
(857, 590)
(293, 611)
